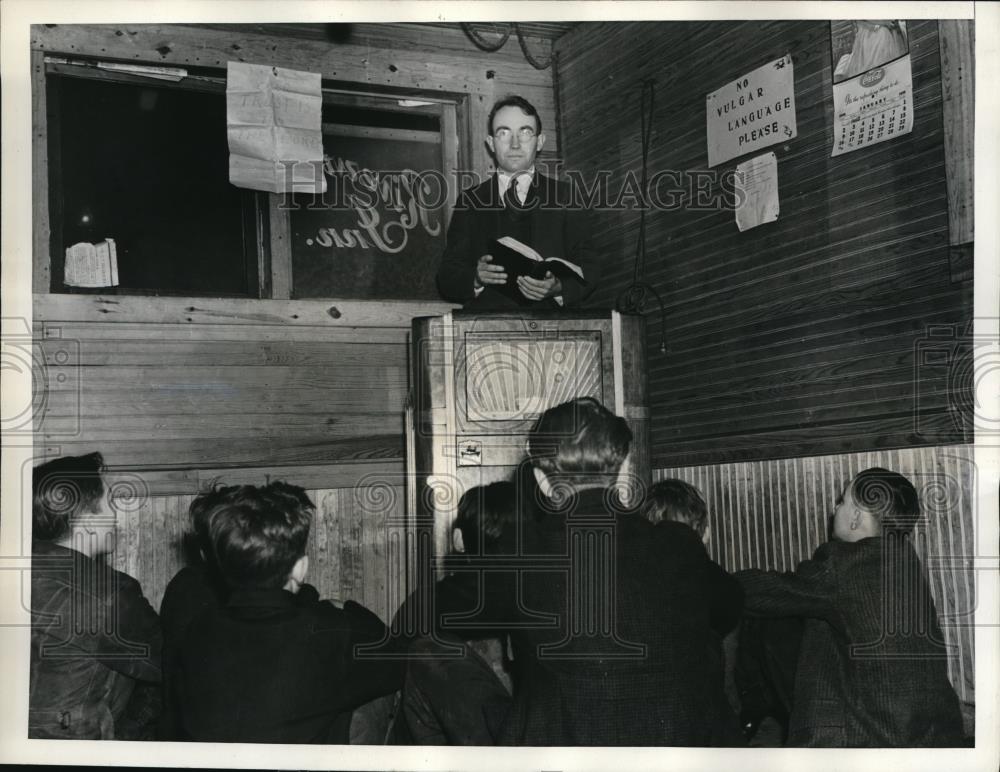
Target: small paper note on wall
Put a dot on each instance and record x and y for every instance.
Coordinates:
(274, 127)
(752, 112)
(757, 191)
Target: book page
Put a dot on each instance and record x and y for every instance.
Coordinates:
(522, 249)
(91, 265)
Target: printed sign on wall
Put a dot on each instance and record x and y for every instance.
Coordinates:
(757, 180)
(753, 112)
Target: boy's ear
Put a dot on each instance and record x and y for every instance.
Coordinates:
(706, 538)
(543, 481)
(300, 569)
(626, 484)
(457, 542)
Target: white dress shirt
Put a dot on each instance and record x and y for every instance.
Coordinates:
(524, 179)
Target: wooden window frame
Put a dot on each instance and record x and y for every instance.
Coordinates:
(272, 228)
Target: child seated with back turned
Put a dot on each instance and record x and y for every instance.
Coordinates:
(673, 500)
(94, 637)
(434, 711)
(266, 665)
(610, 616)
(198, 586)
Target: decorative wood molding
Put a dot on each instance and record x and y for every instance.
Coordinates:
(332, 313)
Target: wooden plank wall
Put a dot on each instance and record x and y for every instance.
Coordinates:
(798, 337)
(169, 383)
(773, 514)
(352, 554)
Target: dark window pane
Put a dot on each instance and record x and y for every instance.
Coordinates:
(149, 167)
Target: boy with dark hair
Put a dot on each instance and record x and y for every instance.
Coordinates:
(680, 502)
(94, 636)
(676, 501)
(609, 616)
(485, 521)
(199, 586)
(463, 700)
(872, 669)
(268, 666)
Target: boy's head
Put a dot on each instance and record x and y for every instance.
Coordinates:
(257, 534)
(201, 508)
(485, 522)
(68, 493)
(876, 501)
(580, 443)
(678, 501)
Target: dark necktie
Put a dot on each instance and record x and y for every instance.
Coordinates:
(513, 203)
(510, 198)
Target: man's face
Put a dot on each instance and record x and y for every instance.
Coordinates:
(511, 144)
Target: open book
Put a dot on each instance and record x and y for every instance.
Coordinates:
(91, 265)
(518, 259)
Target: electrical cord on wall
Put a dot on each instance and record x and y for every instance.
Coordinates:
(482, 44)
(633, 299)
(485, 45)
(528, 55)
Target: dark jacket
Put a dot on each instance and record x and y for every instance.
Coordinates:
(551, 224)
(267, 667)
(872, 667)
(647, 677)
(193, 590)
(93, 635)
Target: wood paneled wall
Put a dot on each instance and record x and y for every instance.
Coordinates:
(799, 337)
(178, 394)
(773, 514)
(353, 550)
(167, 383)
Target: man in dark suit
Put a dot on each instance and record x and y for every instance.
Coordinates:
(872, 668)
(519, 202)
(610, 617)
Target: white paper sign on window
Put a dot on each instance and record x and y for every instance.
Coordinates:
(274, 126)
(753, 112)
